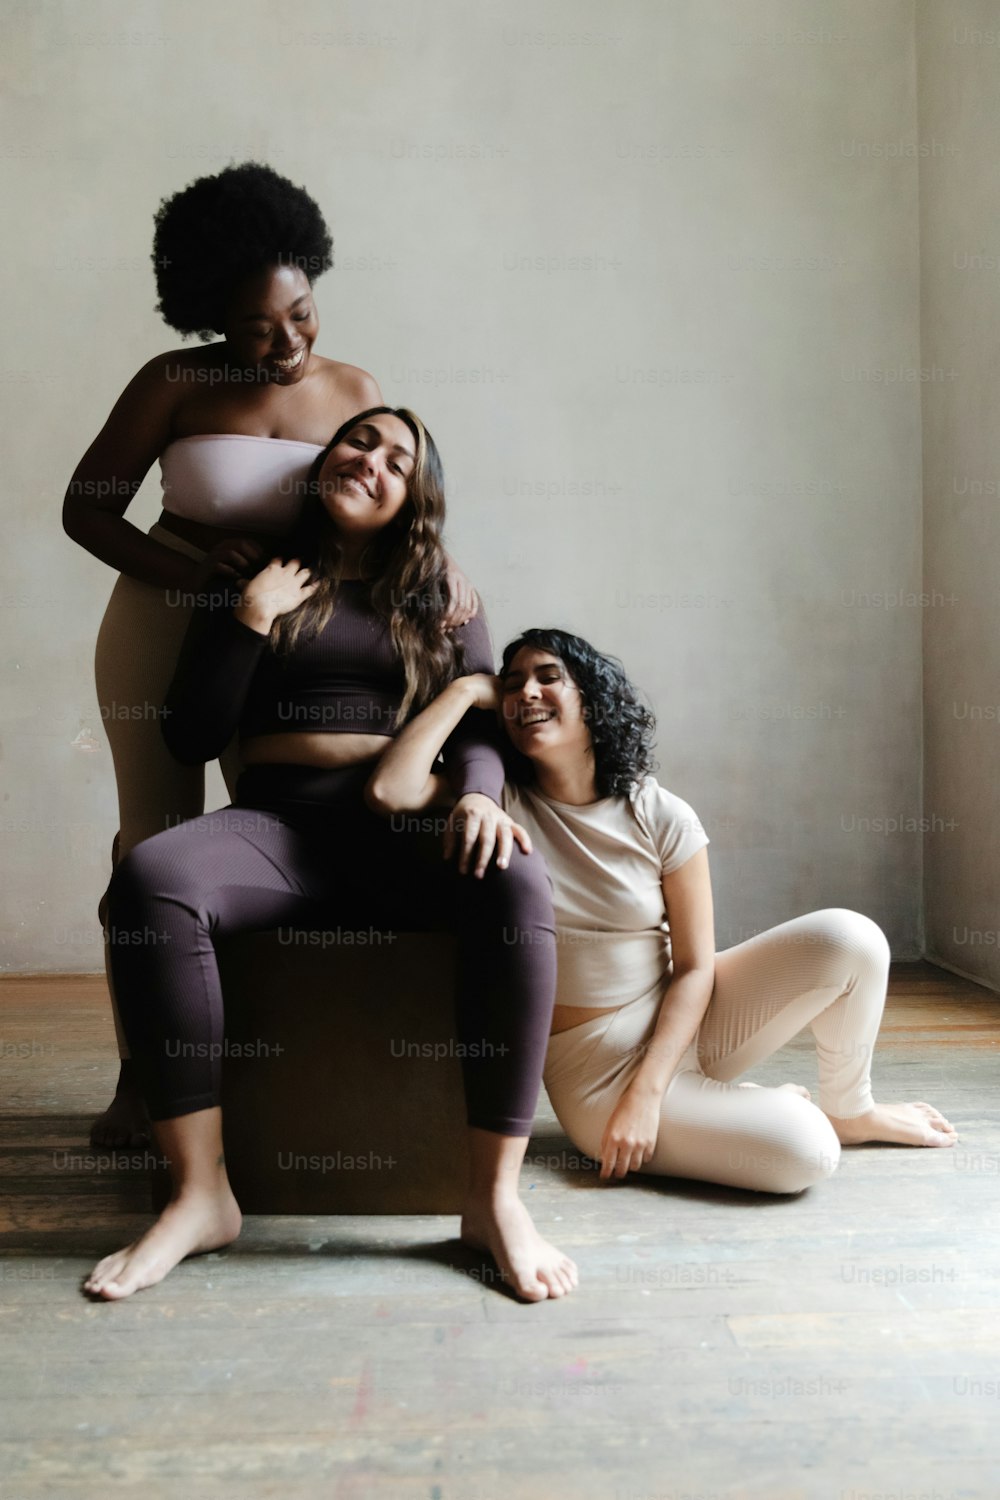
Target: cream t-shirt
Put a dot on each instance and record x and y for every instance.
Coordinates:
(607, 860)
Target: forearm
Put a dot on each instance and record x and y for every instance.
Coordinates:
(115, 541)
(472, 757)
(473, 764)
(404, 778)
(216, 667)
(682, 1010)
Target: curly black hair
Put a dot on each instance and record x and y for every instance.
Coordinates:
(218, 230)
(621, 727)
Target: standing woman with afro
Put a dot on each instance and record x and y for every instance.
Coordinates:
(236, 426)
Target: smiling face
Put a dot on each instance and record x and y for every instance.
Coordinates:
(364, 481)
(543, 709)
(271, 322)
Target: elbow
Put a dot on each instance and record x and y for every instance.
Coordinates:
(186, 753)
(701, 973)
(380, 797)
(70, 519)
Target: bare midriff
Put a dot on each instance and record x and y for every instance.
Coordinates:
(331, 751)
(312, 748)
(564, 1017)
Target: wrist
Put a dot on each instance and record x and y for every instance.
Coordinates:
(648, 1086)
(254, 618)
(462, 691)
(464, 797)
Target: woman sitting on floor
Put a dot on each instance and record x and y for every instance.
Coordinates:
(651, 1026)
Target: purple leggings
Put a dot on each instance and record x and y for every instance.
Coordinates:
(299, 848)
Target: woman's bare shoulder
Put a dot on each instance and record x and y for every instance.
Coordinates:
(348, 380)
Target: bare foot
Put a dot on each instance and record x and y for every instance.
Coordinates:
(791, 1088)
(125, 1122)
(197, 1221)
(899, 1124)
(530, 1265)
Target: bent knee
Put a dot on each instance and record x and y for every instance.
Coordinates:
(807, 1151)
(524, 885)
(141, 873)
(807, 1166)
(130, 878)
(847, 931)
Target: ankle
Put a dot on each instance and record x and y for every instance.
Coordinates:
(197, 1191)
(493, 1195)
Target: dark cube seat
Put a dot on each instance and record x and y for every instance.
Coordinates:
(342, 1090)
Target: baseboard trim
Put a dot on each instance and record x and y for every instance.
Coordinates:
(984, 984)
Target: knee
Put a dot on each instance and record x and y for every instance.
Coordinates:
(814, 1159)
(522, 892)
(850, 932)
(804, 1151)
(129, 881)
(138, 877)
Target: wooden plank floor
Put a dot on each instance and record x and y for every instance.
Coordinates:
(841, 1345)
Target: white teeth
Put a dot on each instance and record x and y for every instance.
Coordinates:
(291, 363)
(538, 718)
(350, 479)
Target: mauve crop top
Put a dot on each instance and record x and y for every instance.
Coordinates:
(233, 479)
(347, 679)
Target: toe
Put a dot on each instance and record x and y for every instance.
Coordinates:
(565, 1272)
(106, 1270)
(532, 1289)
(561, 1280)
(114, 1291)
(97, 1275)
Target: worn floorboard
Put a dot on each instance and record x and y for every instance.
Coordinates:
(840, 1345)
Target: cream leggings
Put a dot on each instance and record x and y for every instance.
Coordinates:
(827, 971)
(137, 649)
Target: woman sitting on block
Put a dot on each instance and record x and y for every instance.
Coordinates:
(651, 1026)
(316, 661)
(236, 426)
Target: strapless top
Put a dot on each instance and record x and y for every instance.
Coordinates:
(229, 479)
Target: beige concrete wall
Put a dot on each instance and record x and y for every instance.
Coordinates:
(650, 273)
(959, 68)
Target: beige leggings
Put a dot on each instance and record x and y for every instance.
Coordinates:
(828, 971)
(137, 649)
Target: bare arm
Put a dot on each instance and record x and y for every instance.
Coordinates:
(109, 474)
(404, 779)
(687, 895)
(630, 1135)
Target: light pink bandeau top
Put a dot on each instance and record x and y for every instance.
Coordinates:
(231, 479)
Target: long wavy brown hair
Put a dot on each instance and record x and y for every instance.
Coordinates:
(405, 562)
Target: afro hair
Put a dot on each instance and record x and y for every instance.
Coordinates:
(219, 230)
